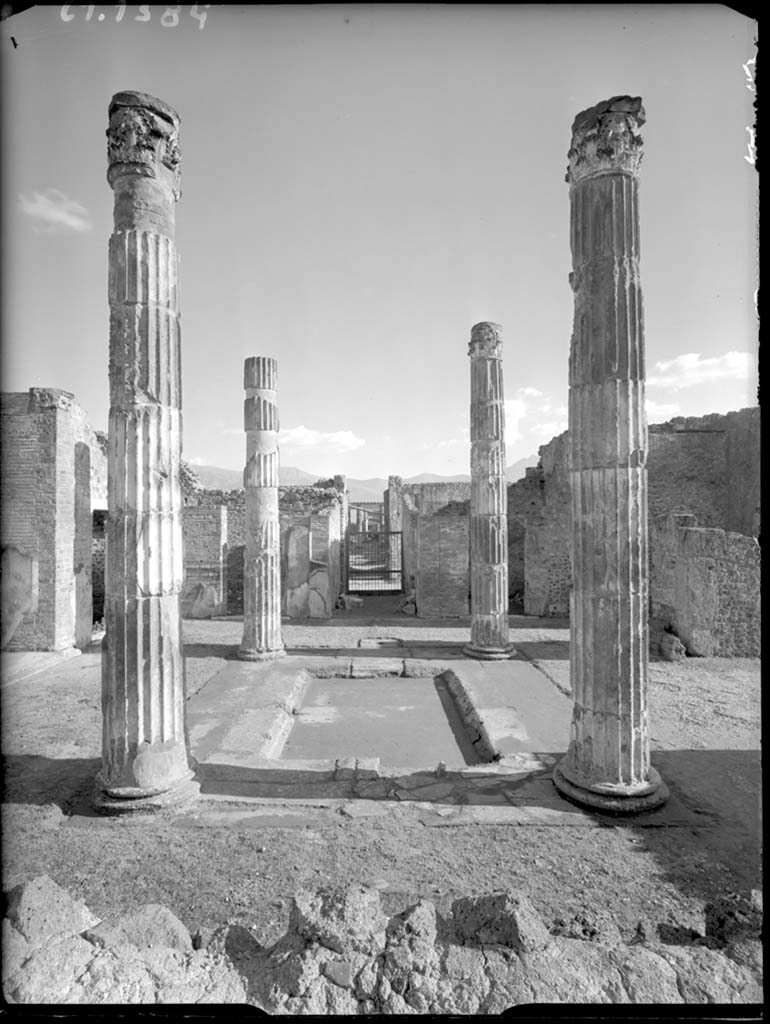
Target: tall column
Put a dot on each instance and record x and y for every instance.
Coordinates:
(262, 638)
(144, 753)
(608, 762)
(489, 498)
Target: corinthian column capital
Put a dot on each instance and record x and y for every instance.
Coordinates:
(143, 139)
(606, 139)
(486, 341)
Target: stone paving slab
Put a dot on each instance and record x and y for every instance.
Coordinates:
(512, 706)
(245, 712)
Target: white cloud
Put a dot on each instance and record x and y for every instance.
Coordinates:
(53, 211)
(530, 392)
(659, 412)
(197, 461)
(335, 441)
(691, 369)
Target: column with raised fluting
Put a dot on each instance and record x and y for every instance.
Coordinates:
(145, 764)
(489, 497)
(608, 762)
(262, 638)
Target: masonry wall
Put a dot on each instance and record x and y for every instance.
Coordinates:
(707, 466)
(524, 500)
(740, 451)
(687, 471)
(409, 519)
(705, 587)
(205, 539)
(426, 498)
(547, 559)
(443, 566)
(49, 453)
(312, 522)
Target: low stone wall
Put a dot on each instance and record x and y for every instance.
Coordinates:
(705, 587)
(443, 566)
(343, 954)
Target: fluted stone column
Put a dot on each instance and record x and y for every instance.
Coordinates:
(145, 763)
(262, 638)
(608, 762)
(489, 498)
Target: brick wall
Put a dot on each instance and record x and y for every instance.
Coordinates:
(48, 455)
(705, 587)
(443, 566)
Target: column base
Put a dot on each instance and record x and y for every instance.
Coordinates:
(489, 653)
(249, 654)
(137, 801)
(612, 798)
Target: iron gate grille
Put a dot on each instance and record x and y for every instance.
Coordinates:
(374, 563)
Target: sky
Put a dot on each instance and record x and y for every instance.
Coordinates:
(363, 183)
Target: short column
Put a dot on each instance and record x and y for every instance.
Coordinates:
(608, 762)
(262, 638)
(489, 496)
(145, 763)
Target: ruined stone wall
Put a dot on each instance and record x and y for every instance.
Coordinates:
(707, 466)
(443, 566)
(298, 506)
(525, 499)
(547, 561)
(48, 450)
(739, 500)
(205, 539)
(426, 498)
(705, 587)
(687, 472)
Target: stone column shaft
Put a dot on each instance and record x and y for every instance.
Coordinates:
(144, 751)
(489, 498)
(262, 639)
(608, 762)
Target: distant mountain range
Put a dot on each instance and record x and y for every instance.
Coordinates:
(216, 478)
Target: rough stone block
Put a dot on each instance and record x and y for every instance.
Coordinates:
(152, 925)
(51, 972)
(40, 909)
(500, 919)
(346, 921)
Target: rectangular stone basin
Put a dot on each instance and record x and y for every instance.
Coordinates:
(407, 723)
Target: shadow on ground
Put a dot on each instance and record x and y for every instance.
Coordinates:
(35, 779)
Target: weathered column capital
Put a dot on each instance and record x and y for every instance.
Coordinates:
(486, 341)
(143, 162)
(142, 137)
(606, 139)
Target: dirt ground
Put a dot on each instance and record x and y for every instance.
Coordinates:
(223, 868)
